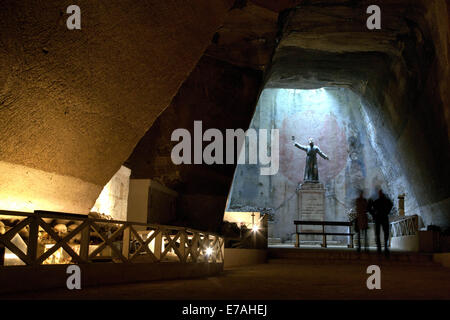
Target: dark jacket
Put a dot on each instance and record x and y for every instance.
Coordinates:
(381, 208)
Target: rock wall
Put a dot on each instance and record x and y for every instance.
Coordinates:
(410, 116)
(401, 75)
(222, 96)
(113, 200)
(74, 104)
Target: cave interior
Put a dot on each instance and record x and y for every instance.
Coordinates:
(76, 106)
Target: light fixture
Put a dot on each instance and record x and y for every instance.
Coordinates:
(255, 228)
(209, 251)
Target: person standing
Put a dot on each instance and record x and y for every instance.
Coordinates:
(381, 209)
(362, 221)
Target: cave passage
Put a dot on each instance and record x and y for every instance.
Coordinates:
(88, 180)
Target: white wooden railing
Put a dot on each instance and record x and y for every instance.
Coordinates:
(32, 239)
(404, 226)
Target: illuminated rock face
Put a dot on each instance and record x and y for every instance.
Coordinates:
(113, 200)
(27, 189)
(73, 104)
(333, 118)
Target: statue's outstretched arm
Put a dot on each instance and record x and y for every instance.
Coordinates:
(300, 146)
(323, 155)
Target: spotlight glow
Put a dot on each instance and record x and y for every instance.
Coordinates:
(209, 251)
(255, 228)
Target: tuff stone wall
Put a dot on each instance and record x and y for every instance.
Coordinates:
(113, 200)
(73, 104)
(401, 74)
(222, 96)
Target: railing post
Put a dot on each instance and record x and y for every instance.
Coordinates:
(182, 248)
(194, 246)
(126, 242)
(349, 227)
(297, 237)
(265, 231)
(324, 244)
(158, 244)
(222, 248)
(416, 224)
(208, 244)
(351, 245)
(33, 240)
(84, 241)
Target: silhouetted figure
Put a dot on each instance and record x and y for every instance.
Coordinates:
(362, 221)
(380, 210)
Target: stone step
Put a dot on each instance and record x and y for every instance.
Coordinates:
(274, 241)
(315, 242)
(376, 261)
(301, 256)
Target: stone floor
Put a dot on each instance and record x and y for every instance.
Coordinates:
(277, 280)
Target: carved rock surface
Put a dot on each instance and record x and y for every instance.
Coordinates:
(73, 104)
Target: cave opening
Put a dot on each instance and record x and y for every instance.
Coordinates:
(336, 119)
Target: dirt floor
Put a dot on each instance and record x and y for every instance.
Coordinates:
(278, 281)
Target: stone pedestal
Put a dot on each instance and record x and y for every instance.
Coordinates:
(311, 205)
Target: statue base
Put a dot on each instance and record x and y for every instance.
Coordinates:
(311, 207)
